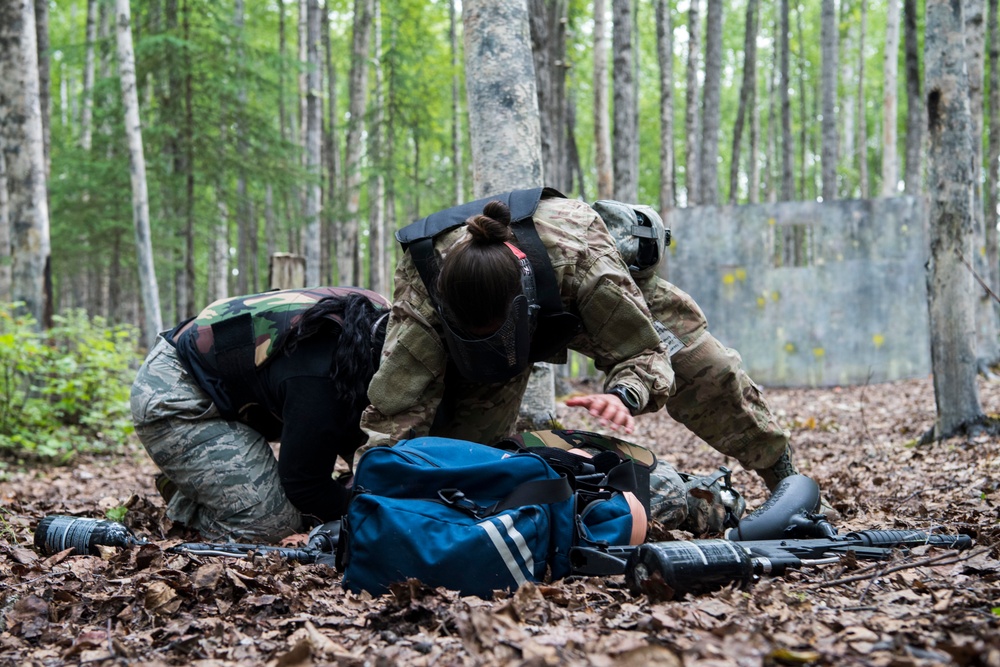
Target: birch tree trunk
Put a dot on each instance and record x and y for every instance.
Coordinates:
(950, 285)
(787, 180)
(665, 56)
(313, 140)
(830, 36)
(87, 113)
(862, 116)
(890, 161)
(457, 160)
(624, 134)
(691, 170)
(505, 129)
(602, 117)
(710, 107)
(347, 243)
(747, 90)
(21, 139)
(916, 119)
(993, 159)
(377, 270)
(152, 323)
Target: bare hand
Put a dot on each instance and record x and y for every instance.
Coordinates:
(608, 408)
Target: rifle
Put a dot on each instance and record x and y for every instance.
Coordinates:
(785, 533)
(84, 535)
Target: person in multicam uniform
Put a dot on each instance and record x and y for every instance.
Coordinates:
(457, 356)
(290, 366)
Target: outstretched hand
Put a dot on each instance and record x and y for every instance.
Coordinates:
(608, 408)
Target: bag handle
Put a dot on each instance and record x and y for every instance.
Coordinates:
(535, 492)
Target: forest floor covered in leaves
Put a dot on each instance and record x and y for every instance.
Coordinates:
(146, 607)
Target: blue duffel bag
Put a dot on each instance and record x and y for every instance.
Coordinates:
(456, 514)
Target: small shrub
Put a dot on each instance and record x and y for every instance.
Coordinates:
(64, 390)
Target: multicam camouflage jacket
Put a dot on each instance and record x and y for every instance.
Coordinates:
(594, 283)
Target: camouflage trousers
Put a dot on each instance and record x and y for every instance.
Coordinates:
(225, 472)
(713, 395)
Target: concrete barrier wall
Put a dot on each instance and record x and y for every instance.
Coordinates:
(810, 294)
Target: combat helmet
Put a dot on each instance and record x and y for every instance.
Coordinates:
(638, 231)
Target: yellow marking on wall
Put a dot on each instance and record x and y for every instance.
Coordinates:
(879, 340)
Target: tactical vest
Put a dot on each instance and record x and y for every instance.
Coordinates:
(237, 336)
(556, 327)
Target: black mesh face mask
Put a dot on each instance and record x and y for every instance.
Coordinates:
(505, 353)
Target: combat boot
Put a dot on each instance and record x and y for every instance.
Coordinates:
(785, 467)
(779, 470)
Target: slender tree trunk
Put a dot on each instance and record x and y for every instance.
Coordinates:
(993, 161)
(313, 143)
(890, 161)
(986, 322)
(916, 119)
(547, 21)
(691, 170)
(6, 260)
(665, 56)
(747, 89)
(152, 323)
(625, 87)
(950, 284)
(753, 168)
(44, 77)
(602, 118)
(22, 140)
(862, 116)
(830, 36)
(458, 168)
(218, 269)
(331, 155)
(243, 225)
(711, 104)
(377, 269)
(186, 300)
(771, 154)
(787, 180)
(805, 123)
(347, 260)
(87, 113)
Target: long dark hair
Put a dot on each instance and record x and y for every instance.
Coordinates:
(358, 344)
(481, 276)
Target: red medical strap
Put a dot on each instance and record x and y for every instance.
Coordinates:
(514, 249)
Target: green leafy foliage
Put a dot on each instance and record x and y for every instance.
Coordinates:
(64, 390)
